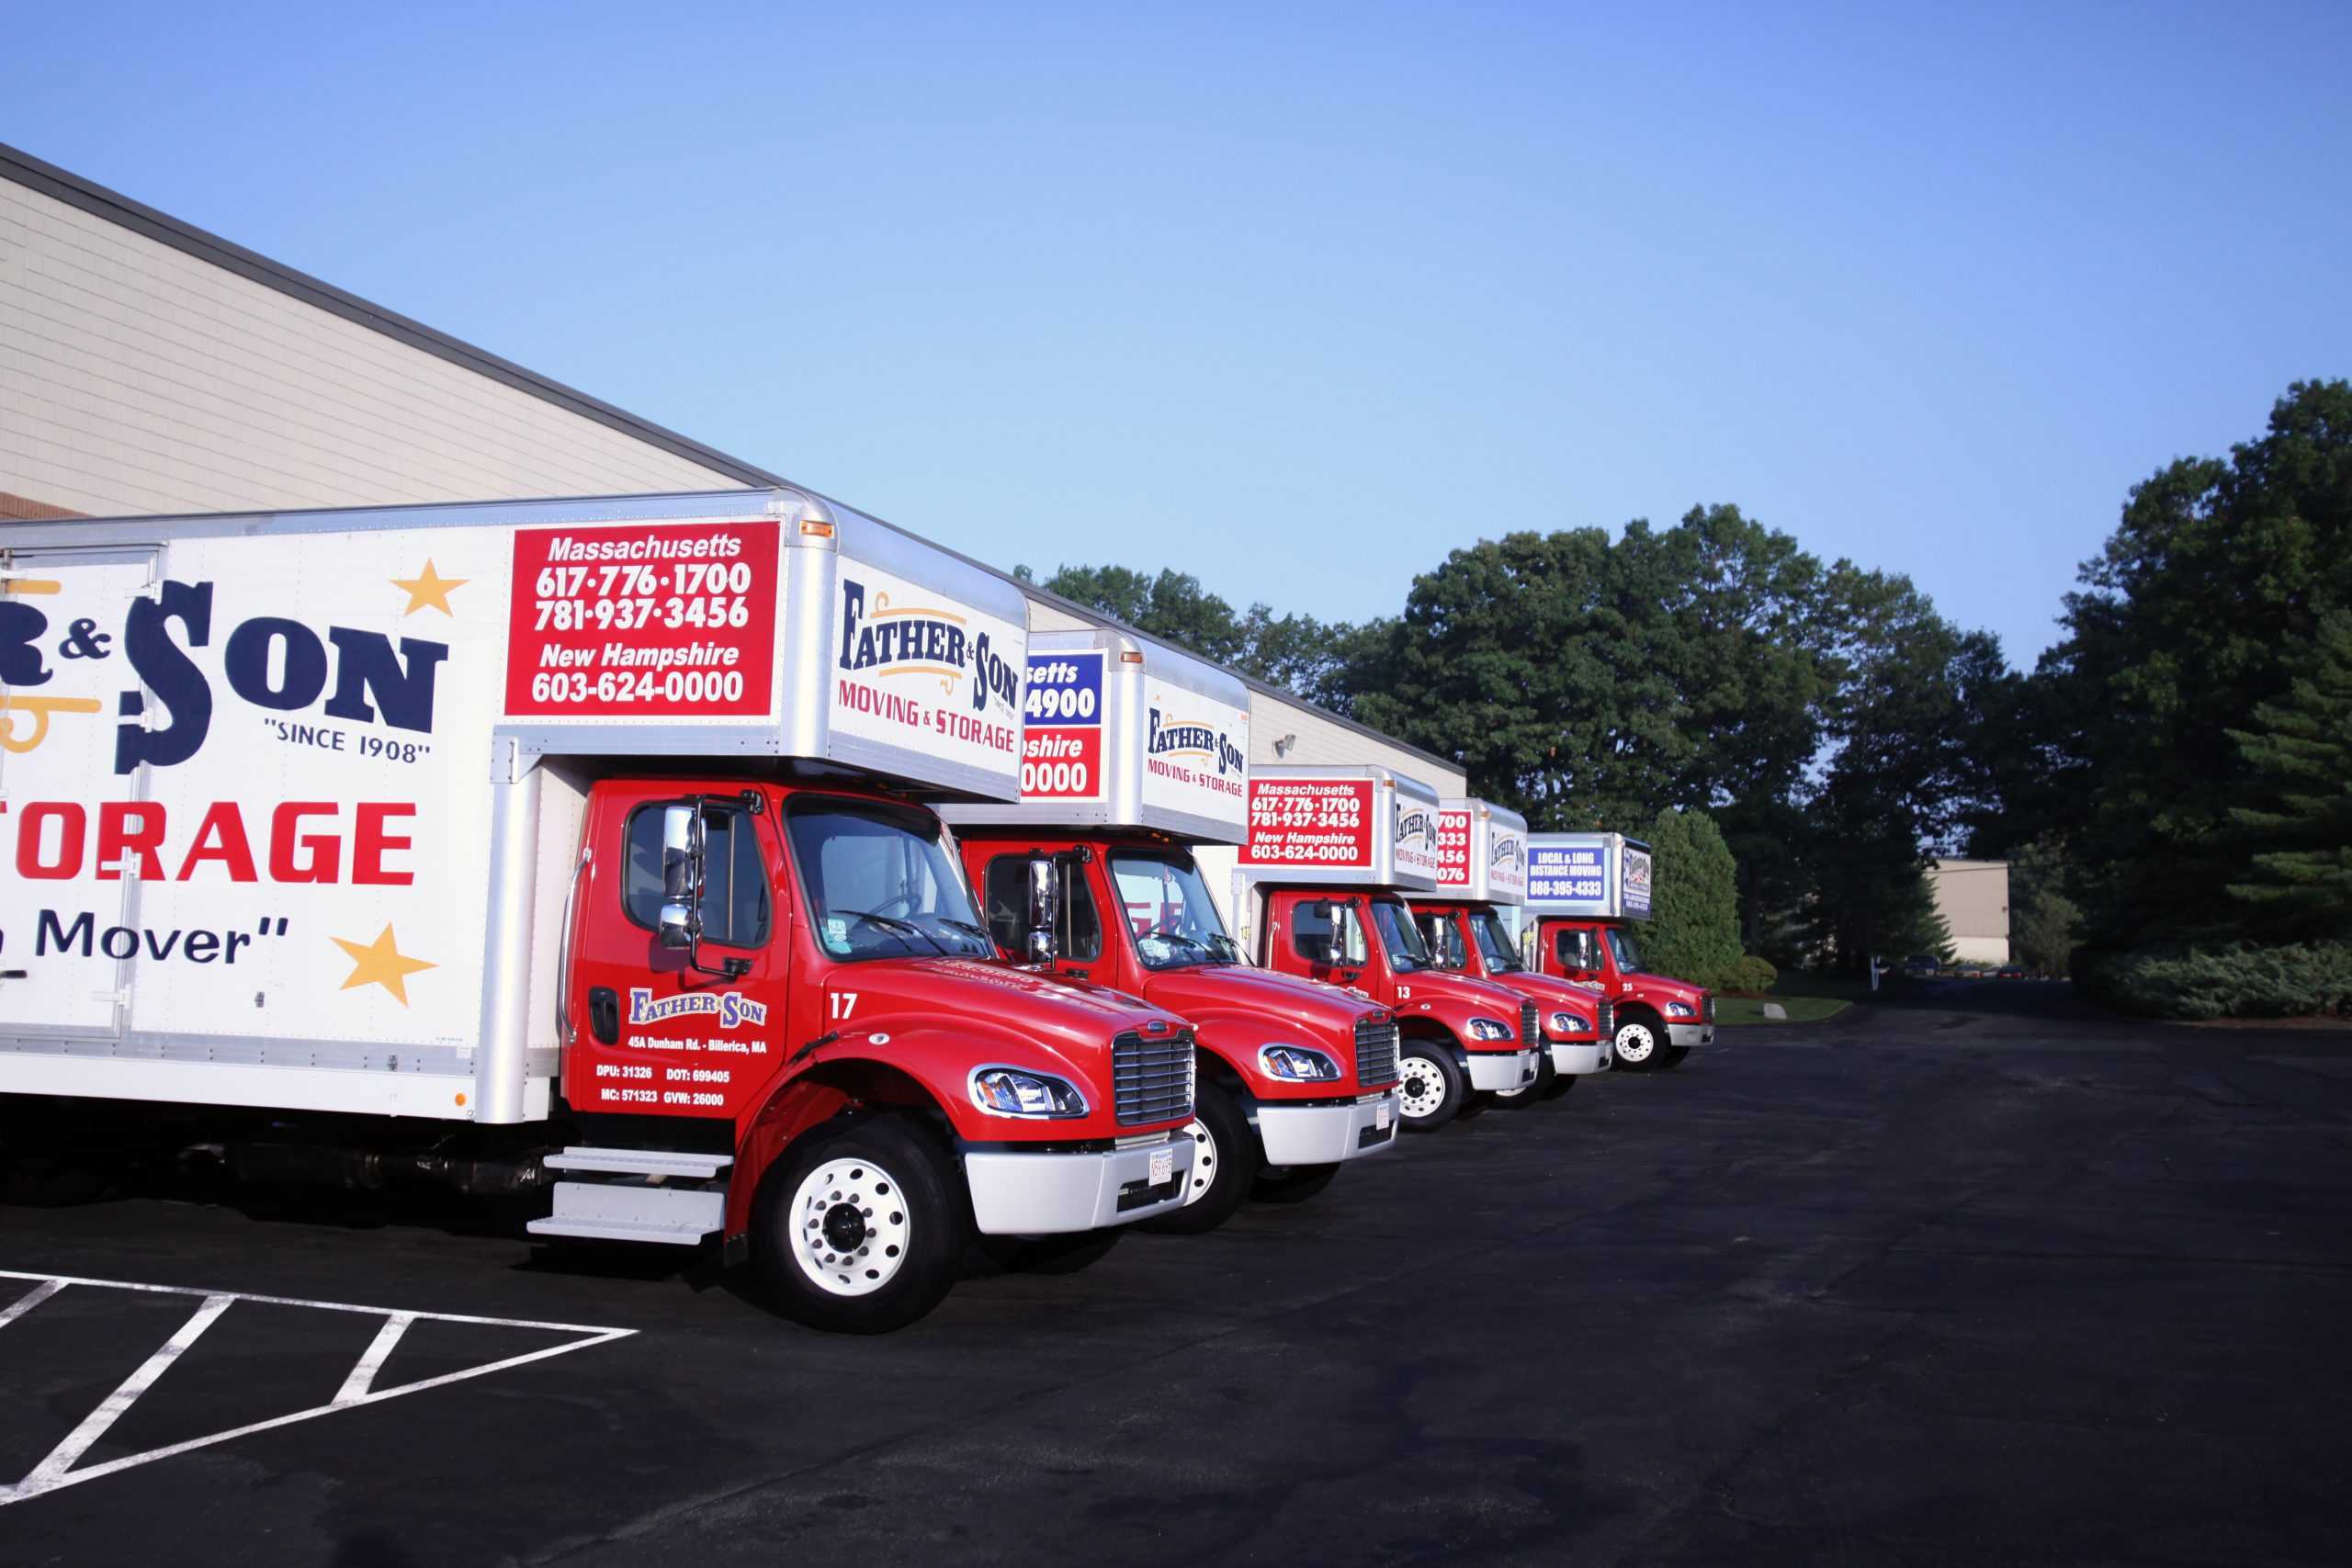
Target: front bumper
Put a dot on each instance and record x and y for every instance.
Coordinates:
(1326, 1135)
(1581, 1056)
(1690, 1035)
(1501, 1069)
(1051, 1194)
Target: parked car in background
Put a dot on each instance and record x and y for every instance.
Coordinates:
(2009, 972)
(1920, 966)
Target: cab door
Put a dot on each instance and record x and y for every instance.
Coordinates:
(1080, 951)
(1322, 939)
(64, 686)
(665, 1031)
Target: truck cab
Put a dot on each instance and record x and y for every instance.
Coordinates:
(610, 877)
(1135, 752)
(1587, 892)
(1322, 877)
(1482, 870)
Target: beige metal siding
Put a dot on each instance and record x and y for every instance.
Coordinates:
(136, 378)
(1316, 739)
(1973, 896)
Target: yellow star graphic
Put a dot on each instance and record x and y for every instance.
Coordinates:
(429, 591)
(381, 963)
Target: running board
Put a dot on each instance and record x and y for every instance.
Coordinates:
(600, 1211)
(641, 1162)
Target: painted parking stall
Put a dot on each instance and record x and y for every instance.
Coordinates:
(77, 1457)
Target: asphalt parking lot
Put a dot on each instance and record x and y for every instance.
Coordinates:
(1968, 1279)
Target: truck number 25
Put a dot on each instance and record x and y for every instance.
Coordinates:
(844, 1003)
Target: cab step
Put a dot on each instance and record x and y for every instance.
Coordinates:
(644, 1195)
(641, 1162)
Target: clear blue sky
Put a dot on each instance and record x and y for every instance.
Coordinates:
(1298, 298)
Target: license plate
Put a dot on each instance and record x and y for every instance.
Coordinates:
(1163, 1166)
(1380, 1117)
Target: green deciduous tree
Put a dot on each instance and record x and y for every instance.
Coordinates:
(1291, 650)
(1693, 932)
(2199, 611)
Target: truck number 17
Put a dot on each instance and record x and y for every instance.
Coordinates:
(844, 1003)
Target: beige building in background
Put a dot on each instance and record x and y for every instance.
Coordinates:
(1973, 896)
(147, 367)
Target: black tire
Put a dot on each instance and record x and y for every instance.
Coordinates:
(1429, 1074)
(1293, 1184)
(931, 1206)
(1522, 1098)
(1673, 1056)
(1049, 1254)
(1561, 1083)
(1224, 1140)
(1640, 1041)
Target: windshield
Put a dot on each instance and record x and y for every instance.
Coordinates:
(1494, 941)
(1407, 951)
(1628, 961)
(1168, 909)
(879, 883)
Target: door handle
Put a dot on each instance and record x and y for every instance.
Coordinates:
(604, 1015)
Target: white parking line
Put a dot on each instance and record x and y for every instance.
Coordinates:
(57, 1468)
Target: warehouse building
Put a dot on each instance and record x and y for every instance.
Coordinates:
(147, 367)
(1973, 896)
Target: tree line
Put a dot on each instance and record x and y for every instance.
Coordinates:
(2168, 781)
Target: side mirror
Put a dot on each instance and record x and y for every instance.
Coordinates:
(678, 924)
(681, 855)
(1045, 894)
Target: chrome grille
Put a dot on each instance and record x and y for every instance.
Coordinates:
(1152, 1078)
(1375, 1051)
(1530, 1034)
(1607, 1019)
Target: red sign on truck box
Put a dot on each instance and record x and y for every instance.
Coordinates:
(657, 620)
(1309, 822)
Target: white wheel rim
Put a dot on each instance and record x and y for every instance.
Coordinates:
(1204, 1162)
(1634, 1041)
(849, 1227)
(1430, 1097)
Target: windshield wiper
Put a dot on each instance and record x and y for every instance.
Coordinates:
(979, 932)
(893, 924)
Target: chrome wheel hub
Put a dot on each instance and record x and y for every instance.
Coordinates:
(849, 1227)
(1422, 1092)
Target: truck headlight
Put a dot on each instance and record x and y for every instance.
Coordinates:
(1296, 1063)
(1567, 1023)
(1680, 1009)
(1009, 1091)
(1491, 1029)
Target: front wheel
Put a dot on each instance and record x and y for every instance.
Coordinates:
(860, 1227)
(1538, 1088)
(1672, 1055)
(1639, 1042)
(1561, 1083)
(1432, 1087)
(1225, 1163)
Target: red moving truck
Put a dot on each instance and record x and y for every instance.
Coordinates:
(1482, 870)
(1329, 855)
(1134, 754)
(1585, 892)
(576, 845)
